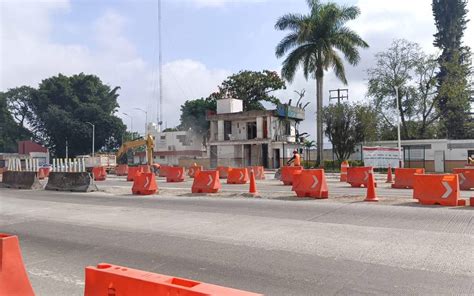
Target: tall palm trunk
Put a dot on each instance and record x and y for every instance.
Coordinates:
(319, 115)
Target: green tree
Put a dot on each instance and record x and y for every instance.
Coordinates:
(10, 131)
(193, 114)
(347, 125)
(18, 103)
(252, 87)
(406, 68)
(316, 41)
(454, 90)
(62, 107)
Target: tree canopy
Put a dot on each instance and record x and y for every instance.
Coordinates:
(10, 131)
(347, 125)
(252, 87)
(58, 111)
(193, 114)
(405, 66)
(454, 89)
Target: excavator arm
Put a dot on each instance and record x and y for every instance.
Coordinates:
(148, 142)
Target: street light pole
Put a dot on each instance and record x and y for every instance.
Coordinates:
(400, 161)
(146, 118)
(93, 138)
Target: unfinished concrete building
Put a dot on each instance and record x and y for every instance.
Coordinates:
(259, 137)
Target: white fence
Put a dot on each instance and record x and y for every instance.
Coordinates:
(68, 165)
(59, 165)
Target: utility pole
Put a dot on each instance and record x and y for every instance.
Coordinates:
(160, 68)
(340, 94)
(400, 160)
(93, 138)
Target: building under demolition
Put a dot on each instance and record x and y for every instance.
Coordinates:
(258, 137)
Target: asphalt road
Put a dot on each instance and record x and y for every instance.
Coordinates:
(275, 247)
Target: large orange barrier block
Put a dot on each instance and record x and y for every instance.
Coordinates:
(258, 171)
(359, 176)
(194, 170)
(237, 176)
(223, 171)
(163, 171)
(206, 182)
(99, 173)
(311, 183)
(144, 184)
(434, 189)
(343, 175)
(287, 173)
(107, 280)
(175, 174)
(145, 168)
(121, 170)
(133, 172)
(466, 178)
(404, 177)
(13, 277)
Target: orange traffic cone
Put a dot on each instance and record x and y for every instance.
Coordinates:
(253, 186)
(389, 175)
(371, 194)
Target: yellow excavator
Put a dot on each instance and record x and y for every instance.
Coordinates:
(148, 142)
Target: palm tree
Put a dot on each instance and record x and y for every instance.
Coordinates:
(316, 41)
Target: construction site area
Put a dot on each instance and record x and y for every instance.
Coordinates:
(244, 228)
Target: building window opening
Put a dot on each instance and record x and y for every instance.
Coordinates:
(251, 130)
(227, 130)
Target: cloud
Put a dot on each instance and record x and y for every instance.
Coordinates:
(28, 55)
(222, 3)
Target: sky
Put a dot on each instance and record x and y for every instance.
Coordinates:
(203, 41)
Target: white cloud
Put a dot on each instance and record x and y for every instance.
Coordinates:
(221, 3)
(28, 55)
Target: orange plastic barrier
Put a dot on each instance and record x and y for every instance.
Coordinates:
(107, 279)
(175, 174)
(223, 171)
(287, 173)
(238, 176)
(44, 171)
(206, 182)
(404, 177)
(343, 175)
(133, 172)
(434, 189)
(145, 168)
(310, 183)
(41, 175)
(99, 173)
(13, 277)
(258, 171)
(121, 170)
(359, 176)
(471, 201)
(164, 171)
(466, 178)
(144, 184)
(194, 170)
